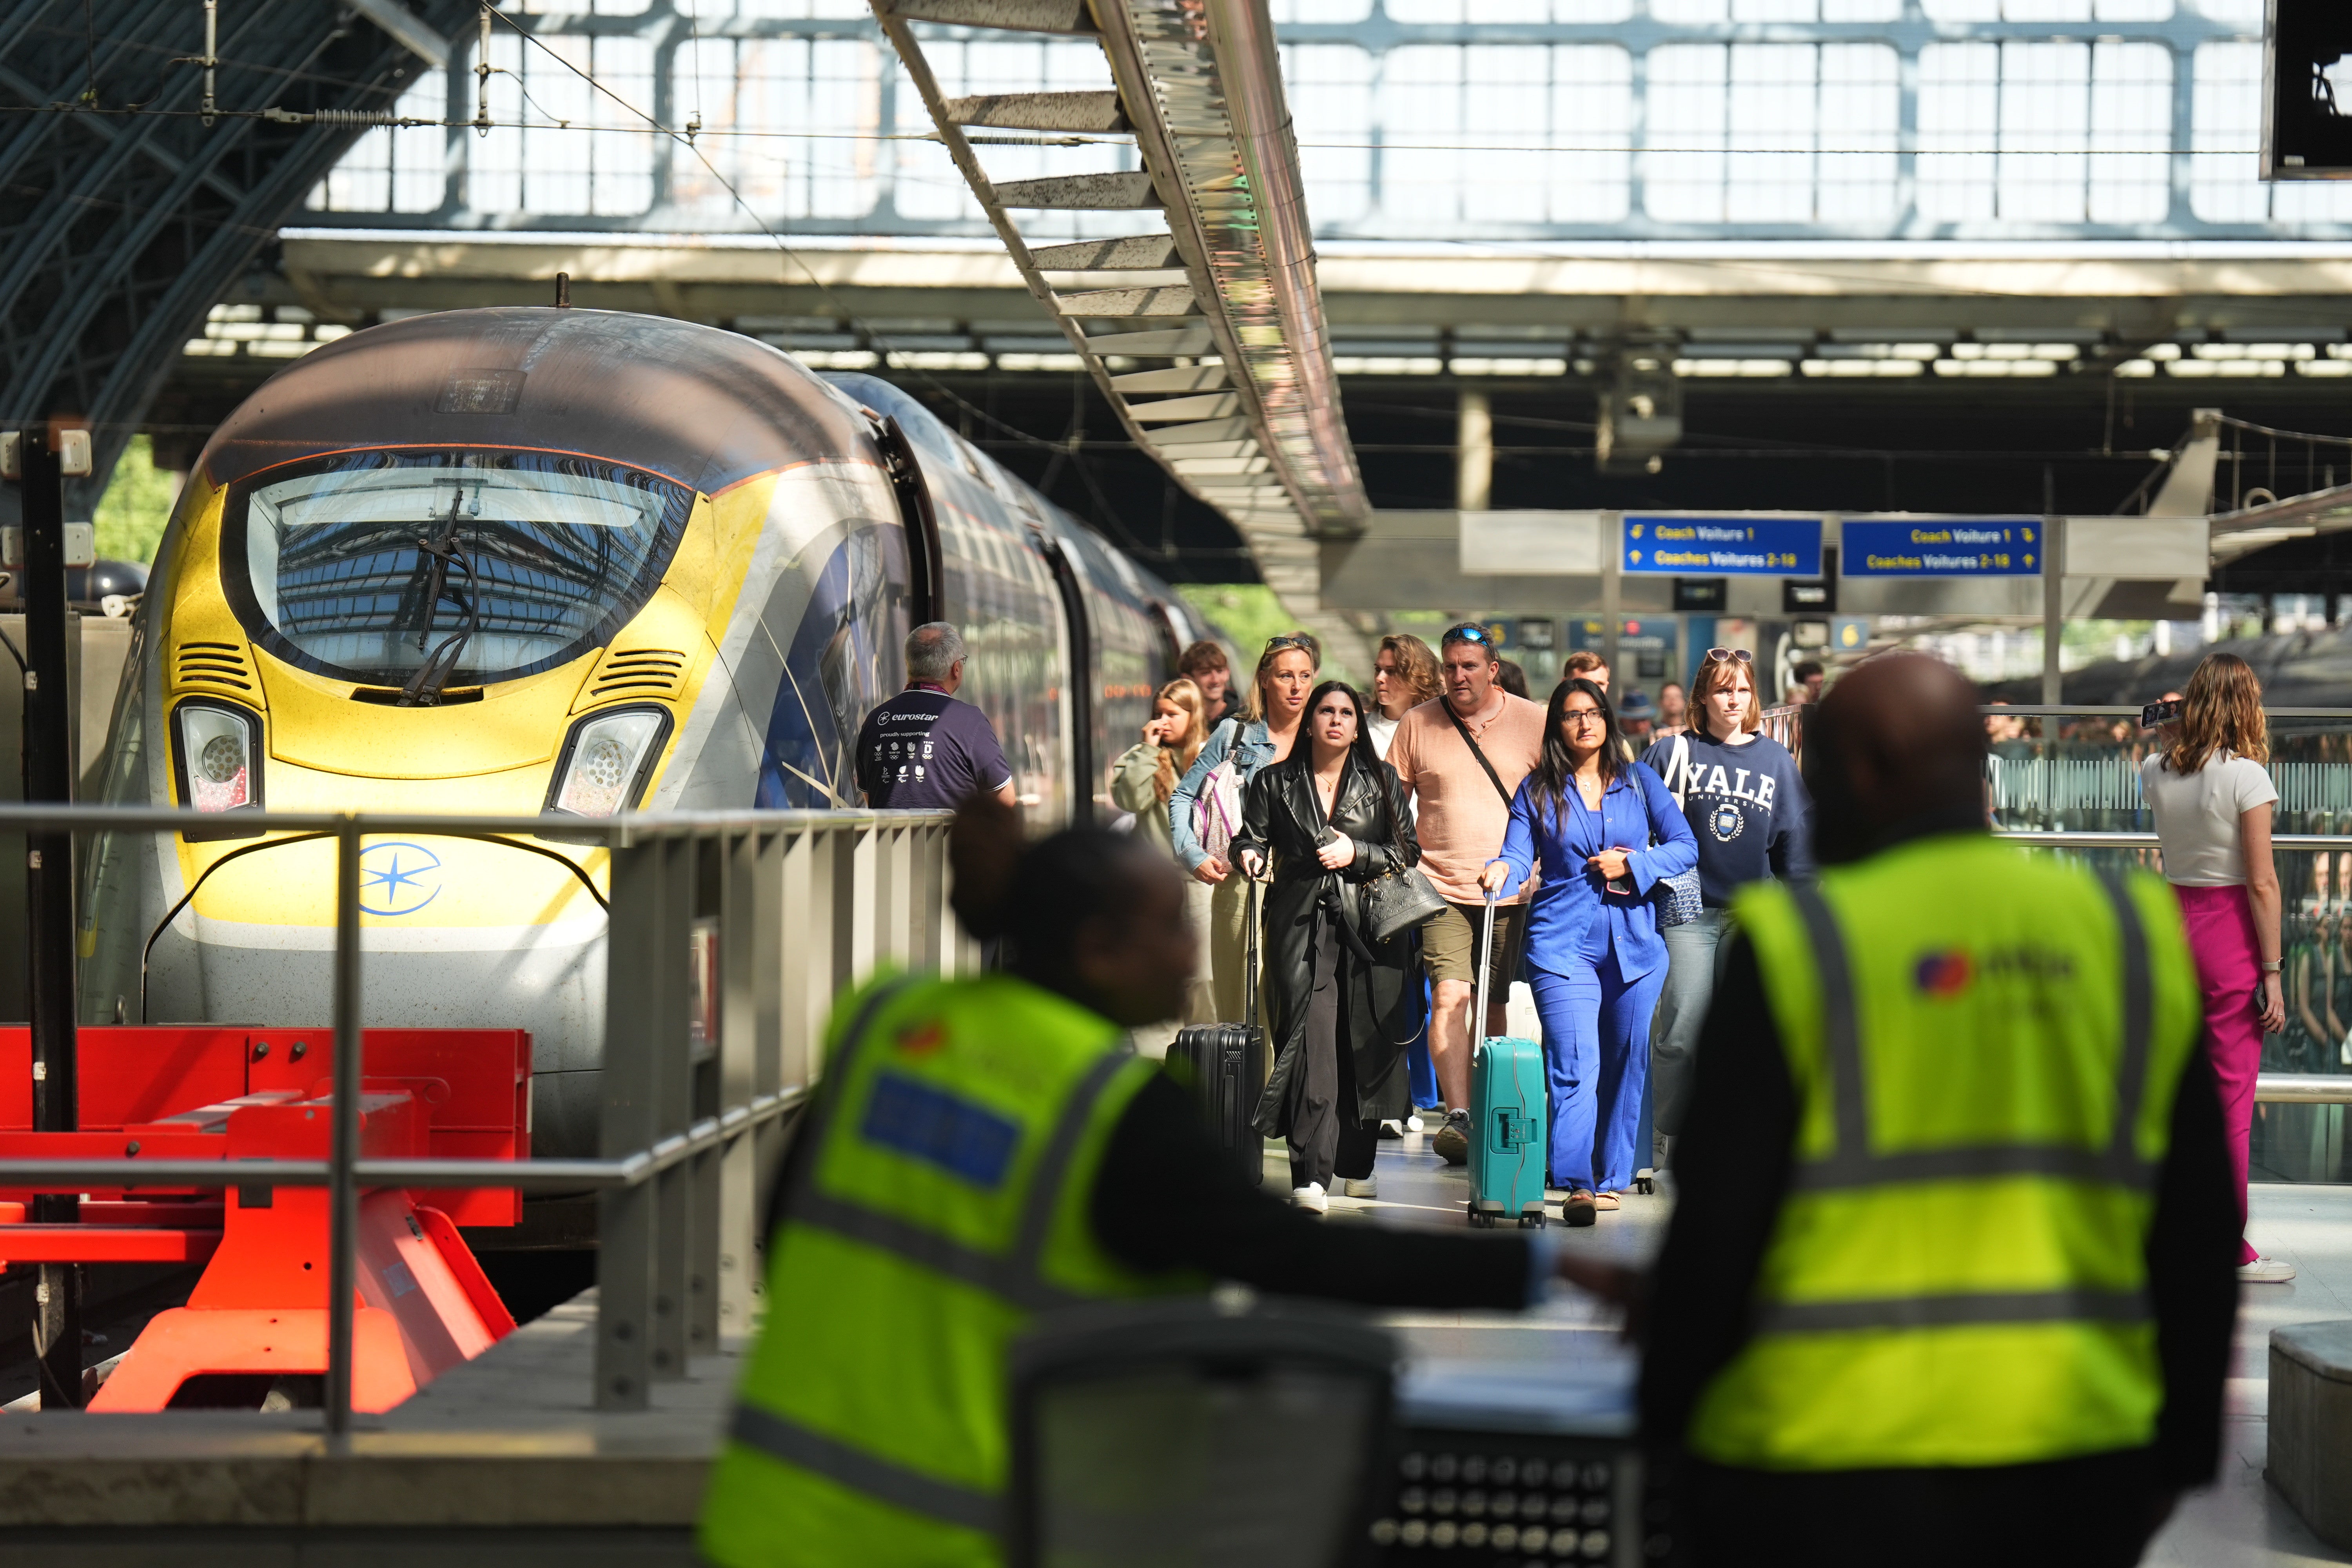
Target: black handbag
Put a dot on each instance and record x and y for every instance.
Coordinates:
(1401, 898)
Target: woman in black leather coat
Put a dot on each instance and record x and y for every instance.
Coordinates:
(1341, 1006)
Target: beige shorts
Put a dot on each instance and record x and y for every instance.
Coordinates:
(1449, 944)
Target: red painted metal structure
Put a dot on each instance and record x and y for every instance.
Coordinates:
(260, 1311)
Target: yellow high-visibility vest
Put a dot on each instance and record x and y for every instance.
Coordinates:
(1985, 1045)
(938, 1199)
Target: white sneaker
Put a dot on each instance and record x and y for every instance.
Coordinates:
(1414, 1123)
(1361, 1187)
(1310, 1198)
(2266, 1271)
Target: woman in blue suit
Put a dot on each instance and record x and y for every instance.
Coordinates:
(1603, 831)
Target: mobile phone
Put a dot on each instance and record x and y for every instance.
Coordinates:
(2157, 713)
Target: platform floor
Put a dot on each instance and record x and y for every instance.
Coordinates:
(504, 1462)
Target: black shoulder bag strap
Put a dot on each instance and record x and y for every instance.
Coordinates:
(1464, 731)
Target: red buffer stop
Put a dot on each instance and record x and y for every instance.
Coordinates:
(203, 1092)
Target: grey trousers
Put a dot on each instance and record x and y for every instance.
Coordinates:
(1696, 953)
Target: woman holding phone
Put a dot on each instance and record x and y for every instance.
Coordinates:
(2211, 798)
(1142, 781)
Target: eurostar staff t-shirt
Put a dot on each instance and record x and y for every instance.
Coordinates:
(924, 751)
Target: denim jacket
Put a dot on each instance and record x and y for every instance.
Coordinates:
(1253, 747)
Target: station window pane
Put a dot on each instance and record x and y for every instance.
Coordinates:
(1323, 12)
(1501, 138)
(2131, 132)
(1783, 134)
(792, 123)
(2045, 123)
(561, 147)
(396, 169)
(1861, 126)
(1682, 166)
(1330, 91)
(1959, 118)
(2225, 127)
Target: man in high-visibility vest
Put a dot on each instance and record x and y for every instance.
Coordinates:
(1949, 1276)
(985, 1148)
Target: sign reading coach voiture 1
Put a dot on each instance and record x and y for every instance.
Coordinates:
(1941, 547)
(1689, 544)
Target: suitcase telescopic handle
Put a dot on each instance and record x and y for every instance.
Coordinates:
(1486, 954)
(1249, 964)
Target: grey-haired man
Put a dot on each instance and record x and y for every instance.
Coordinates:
(923, 750)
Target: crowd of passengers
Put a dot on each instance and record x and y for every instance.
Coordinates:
(1604, 853)
(1601, 852)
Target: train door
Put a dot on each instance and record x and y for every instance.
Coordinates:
(1171, 639)
(926, 572)
(1077, 669)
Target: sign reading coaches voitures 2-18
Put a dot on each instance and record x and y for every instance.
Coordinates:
(1941, 547)
(1730, 546)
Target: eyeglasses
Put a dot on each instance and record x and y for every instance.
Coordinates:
(1720, 655)
(1467, 633)
(1291, 640)
(1582, 716)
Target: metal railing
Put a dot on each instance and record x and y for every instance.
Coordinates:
(2292, 1088)
(805, 903)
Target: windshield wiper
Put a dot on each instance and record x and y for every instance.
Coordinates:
(424, 688)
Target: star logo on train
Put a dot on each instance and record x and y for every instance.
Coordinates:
(398, 879)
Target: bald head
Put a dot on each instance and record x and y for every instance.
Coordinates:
(1895, 740)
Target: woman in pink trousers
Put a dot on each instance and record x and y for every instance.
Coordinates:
(2211, 798)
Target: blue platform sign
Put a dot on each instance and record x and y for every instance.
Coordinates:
(1941, 547)
(1667, 545)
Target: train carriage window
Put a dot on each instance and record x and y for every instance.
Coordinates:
(497, 564)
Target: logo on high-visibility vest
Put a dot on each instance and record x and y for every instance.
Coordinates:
(1942, 973)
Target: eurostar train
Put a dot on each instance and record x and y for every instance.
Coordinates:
(528, 560)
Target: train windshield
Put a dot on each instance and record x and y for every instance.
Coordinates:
(487, 564)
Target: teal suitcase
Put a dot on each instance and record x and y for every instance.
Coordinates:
(1510, 1116)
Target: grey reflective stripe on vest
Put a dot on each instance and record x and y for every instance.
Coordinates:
(1851, 1163)
(863, 1472)
(1016, 1275)
(2139, 1024)
(1840, 1028)
(1994, 1308)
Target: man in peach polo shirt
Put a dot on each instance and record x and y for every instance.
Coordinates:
(1462, 756)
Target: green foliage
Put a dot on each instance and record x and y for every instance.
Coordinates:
(136, 505)
(1249, 613)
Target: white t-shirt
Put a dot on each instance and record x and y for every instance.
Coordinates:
(1380, 727)
(2197, 816)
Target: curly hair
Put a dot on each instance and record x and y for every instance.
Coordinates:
(2221, 712)
(1416, 667)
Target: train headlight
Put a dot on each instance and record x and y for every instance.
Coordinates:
(606, 761)
(217, 756)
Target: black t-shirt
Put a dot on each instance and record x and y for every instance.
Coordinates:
(924, 751)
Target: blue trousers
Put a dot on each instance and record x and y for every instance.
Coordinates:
(1596, 1028)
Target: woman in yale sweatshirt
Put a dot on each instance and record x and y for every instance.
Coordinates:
(1740, 791)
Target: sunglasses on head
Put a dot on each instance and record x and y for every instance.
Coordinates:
(1468, 634)
(1718, 654)
(1292, 640)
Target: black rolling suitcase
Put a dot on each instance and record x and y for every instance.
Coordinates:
(1226, 1066)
